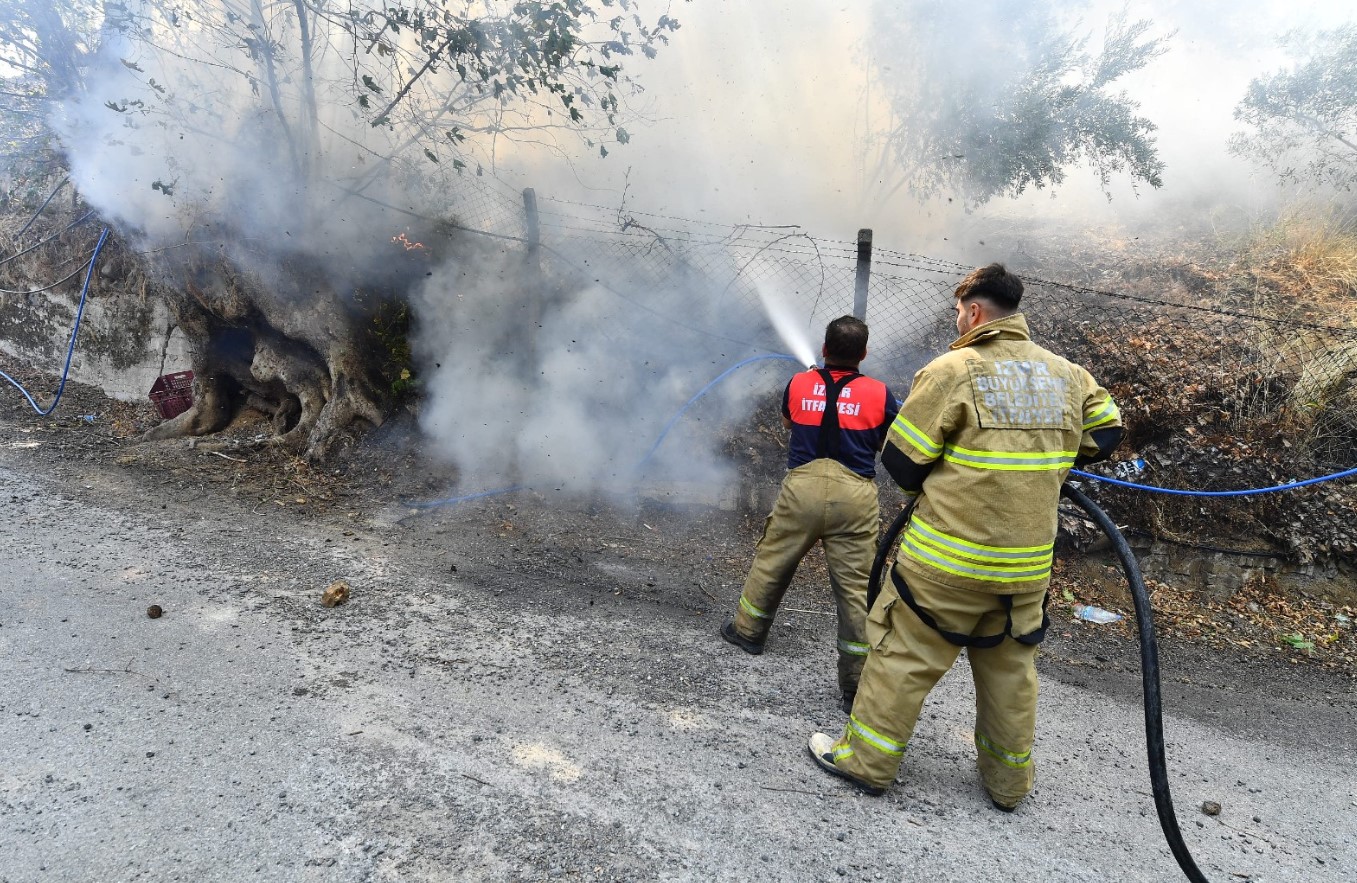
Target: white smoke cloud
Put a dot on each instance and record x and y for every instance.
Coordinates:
(577, 400)
(181, 145)
(768, 114)
(756, 115)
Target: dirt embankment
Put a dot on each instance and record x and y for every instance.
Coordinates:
(1234, 361)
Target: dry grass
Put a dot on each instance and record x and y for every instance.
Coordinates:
(1310, 254)
(1304, 265)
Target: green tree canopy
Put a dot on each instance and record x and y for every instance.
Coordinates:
(1303, 119)
(45, 48)
(991, 98)
(442, 81)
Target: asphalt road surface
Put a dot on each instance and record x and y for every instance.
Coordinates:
(477, 725)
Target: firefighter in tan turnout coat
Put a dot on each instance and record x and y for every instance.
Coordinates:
(986, 437)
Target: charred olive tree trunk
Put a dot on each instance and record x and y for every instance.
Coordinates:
(292, 346)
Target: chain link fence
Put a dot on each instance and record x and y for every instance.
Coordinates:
(1224, 382)
(1209, 354)
(713, 281)
(1222, 385)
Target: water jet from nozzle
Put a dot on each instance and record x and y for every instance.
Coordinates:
(785, 323)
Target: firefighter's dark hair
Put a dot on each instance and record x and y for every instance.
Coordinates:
(993, 283)
(846, 340)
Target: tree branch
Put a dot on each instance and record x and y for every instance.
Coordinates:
(428, 63)
(311, 110)
(1319, 128)
(271, 76)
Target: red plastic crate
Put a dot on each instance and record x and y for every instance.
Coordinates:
(172, 394)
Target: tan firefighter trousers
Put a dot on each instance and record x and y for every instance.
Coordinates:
(908, 658)
(826, 501)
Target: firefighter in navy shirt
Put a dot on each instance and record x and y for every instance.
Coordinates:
(838, 420)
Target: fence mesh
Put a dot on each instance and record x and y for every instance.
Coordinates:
(677, 269)
(908, 295)
(1205, 371)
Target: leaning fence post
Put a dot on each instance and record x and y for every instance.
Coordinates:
(534, 238)
(864, 274)
(533, 294)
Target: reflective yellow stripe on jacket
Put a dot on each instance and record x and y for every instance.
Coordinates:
(1107, 414)
(917, 438)
(1009, 460)
(1004, 564)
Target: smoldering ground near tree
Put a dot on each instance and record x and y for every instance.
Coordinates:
(261, 158)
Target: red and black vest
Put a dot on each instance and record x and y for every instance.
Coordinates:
(863, 410)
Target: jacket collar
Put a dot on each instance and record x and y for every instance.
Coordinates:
(1012, 327)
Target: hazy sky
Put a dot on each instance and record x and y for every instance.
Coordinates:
(762, 112)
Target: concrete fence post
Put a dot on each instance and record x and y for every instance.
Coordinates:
(864, 274)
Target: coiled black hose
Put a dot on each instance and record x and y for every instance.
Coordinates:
(1149, 662)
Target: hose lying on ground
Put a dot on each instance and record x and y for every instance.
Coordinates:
(1149, 677)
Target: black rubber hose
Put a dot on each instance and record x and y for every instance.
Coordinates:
(1149, 676)
(1149, 663)
(883, 549)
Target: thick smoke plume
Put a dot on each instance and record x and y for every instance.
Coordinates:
(559, 373)
(578, 398)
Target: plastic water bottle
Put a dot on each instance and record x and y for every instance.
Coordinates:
(1127, 470)
(1089, 613)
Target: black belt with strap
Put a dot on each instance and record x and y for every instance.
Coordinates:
(828, 444)
(960, 640)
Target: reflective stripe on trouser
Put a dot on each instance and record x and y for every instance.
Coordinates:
(908, 658)
(827, 502)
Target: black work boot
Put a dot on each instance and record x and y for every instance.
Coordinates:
(847, 703)
(728, 632)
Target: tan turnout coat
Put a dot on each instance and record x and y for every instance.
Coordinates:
(1002, 419)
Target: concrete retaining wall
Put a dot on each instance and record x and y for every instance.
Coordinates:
(126, 340)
